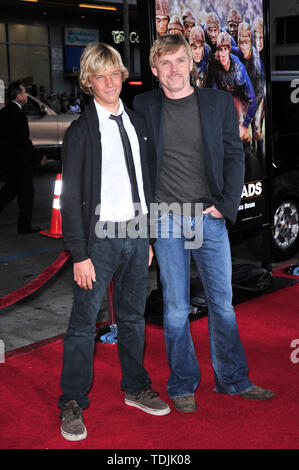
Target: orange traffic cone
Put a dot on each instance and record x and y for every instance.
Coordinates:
(55, 230)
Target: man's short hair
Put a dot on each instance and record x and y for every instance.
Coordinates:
(167, 44)
(14, 89)
(95, 58)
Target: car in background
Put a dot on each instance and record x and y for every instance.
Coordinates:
(47, 127)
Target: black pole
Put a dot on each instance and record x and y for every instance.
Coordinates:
(126, 34)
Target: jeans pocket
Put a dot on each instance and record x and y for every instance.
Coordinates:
(214, 217)
(213, 227)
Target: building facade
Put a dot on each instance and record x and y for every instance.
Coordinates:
(284, 24)
(41, 42)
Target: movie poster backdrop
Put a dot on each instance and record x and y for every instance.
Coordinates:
(227, 42)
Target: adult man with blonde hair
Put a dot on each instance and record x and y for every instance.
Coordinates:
(201, 166)
(105, 173)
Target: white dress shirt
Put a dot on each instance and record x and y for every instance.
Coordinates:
(116, 194)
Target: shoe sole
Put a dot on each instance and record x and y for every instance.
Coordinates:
(73, 437)
(150, 411)
(264, 398)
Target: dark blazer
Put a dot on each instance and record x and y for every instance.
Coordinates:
(18, 155)
(224, 156)
(81, 178)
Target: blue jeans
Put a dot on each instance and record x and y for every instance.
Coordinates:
(127, 260)
(213, 263)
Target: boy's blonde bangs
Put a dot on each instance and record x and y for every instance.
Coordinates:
(97, 57)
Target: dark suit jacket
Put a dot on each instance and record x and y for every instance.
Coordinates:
(224, 156)
(81, 178)
(17, 152)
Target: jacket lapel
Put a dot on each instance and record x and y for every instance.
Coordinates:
(136, 124)
(155, 119)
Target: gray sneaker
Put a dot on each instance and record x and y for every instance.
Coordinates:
(148, 401)
(185, 404)
(72, 425)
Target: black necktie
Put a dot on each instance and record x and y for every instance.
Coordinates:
(128, 156)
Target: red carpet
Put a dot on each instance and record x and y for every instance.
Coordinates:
(29, 392)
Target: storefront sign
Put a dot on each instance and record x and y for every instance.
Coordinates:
(80, 37)
(119, 36)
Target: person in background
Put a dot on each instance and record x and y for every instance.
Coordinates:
(74, 107)
(18, 158)
(201, 54)
(234, 18)
(230, 75)
(189, 22)
(175, 25)
(162, 16)
(212, 29)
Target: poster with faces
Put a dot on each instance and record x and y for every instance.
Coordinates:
(227, 42)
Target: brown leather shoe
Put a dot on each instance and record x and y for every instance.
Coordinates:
(185, 404)
(258, 393)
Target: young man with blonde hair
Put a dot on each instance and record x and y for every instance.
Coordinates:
(105, 175)
(202, 166)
